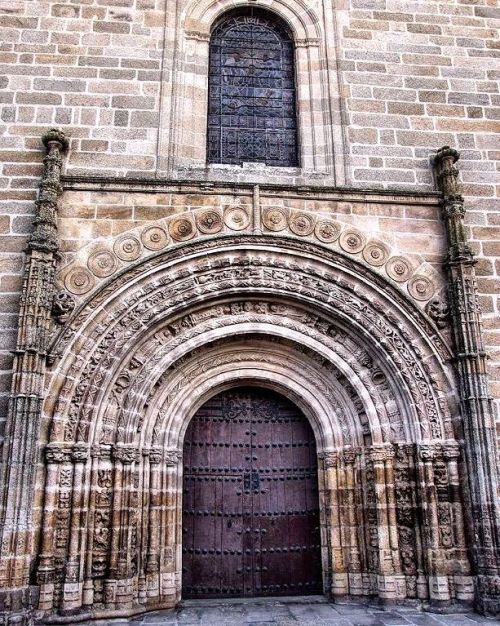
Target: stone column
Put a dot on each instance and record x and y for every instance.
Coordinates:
(352, 549)
(464, 587)
(88, 584)
(55, 455)
(439, 592)
(339, 585)
(171, 555)
(391, 585)
(73, 583)
(153, 554)
(118, 586)
(24, 413)
(480, 446)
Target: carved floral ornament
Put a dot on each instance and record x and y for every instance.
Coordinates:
(103, 259)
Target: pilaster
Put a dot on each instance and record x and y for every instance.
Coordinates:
(477, 407)
(23, 419)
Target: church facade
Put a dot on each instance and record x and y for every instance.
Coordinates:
(249, 275)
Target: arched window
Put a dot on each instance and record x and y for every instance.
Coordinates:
(252, 111)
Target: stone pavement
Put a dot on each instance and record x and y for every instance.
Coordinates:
(306, 611)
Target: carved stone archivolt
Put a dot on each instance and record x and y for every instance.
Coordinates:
(138, 357)
(105, 258)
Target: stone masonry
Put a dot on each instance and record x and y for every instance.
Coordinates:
(135, 280)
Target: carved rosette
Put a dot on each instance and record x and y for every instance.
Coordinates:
(275, 219)
(79, 281)
(102, 263)
(399, 269)
(352, 241)
(156, 238)
(127, 248)
(302, 224)
(182, 228)
(236, 218)
(421, 287)
(209, 222)
(327, 231)
(375, 253)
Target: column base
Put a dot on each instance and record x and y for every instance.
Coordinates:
(488, 595)
(17, 606)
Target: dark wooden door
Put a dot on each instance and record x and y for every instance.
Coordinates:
(250, 504)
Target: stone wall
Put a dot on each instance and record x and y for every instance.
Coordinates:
(390, 82)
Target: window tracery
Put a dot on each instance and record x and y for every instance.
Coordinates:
(252, 108)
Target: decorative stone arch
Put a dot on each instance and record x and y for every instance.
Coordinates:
(183, 126)
(302, 20)
(118, 405)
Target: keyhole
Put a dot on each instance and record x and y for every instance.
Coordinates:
(229, 523)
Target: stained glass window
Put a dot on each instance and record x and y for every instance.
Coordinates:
(252, 111)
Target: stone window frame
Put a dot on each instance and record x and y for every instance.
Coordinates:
(184, 99)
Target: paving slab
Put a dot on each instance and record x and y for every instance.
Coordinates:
(295, 611)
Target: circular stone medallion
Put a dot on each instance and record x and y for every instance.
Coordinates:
(301, 224)
(236, 218)
(398, 268)
(274, 219)
(421, 287)
(79, 280)
(127, 248)
(327, 231)
(375, 253)
(352, 241)
(181, 229)
(209, 222)
(154, 238)
(102, 263)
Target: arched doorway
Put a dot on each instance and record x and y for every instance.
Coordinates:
(250, 504)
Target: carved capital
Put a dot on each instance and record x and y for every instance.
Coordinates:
(381, 453)
(451, 450)
(172, 457)
(125, 453)
(58, 452)
(79, 453)
(428, 451)
(349, 456)
(155, 455)
(330, 459)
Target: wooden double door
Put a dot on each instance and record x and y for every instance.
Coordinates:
(250, 501)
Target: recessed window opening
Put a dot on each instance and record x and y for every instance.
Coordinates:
(252, 96)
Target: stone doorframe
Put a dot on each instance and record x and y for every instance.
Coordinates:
(144, 352)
